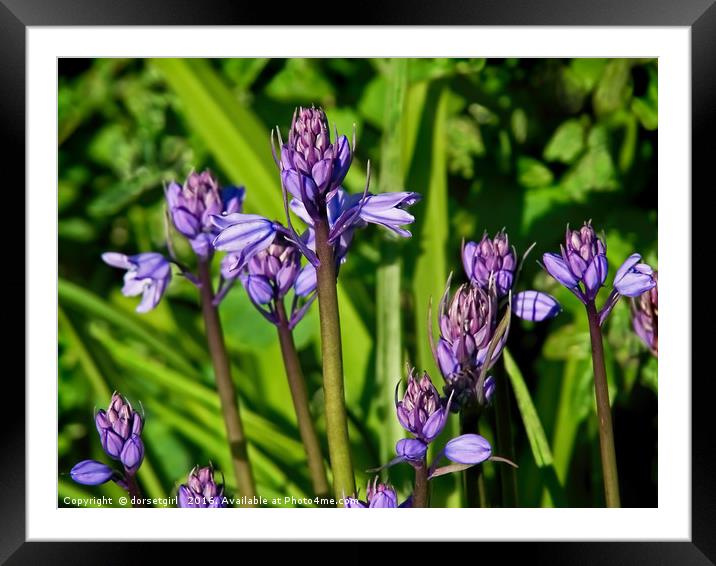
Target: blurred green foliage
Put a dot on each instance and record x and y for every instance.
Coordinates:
(529, 145)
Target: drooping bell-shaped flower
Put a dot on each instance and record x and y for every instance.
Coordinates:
(467, 323)
(120, 429)
(491, 259)
(243, 235)
(645, 316)
(634, 278)
(192, 205)
(582, 265)
(201, 490)
(148, 274)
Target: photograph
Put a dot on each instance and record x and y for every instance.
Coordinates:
(357, 282)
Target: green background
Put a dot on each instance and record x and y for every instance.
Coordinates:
(529, 145)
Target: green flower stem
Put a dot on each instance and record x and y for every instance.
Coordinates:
(332, 357)
(474, 480)
(225, 386)
(503, 419)
(299, 394)
(420, 490)
(604, 413)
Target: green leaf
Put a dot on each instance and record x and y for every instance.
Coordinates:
(429, 176)
(531, 173)
(566, 143)
(533, 426)
(302, 81)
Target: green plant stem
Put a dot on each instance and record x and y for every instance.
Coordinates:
(225, 387)
(604, 413)
(332, 357)
(299, 394)
(135, 493)
(420, 490)
(503, 421)
(474, 480)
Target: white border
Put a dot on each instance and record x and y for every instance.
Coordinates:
(672, 519)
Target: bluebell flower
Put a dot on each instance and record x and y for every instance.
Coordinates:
(148, 274)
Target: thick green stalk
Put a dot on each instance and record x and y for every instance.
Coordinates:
(299, 394)
(474, 480)
(420, 490)
(332, 356)
(503, 419)
(604, 412)
(225, 387)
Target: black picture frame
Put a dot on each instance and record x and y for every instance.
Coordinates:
(698, 15)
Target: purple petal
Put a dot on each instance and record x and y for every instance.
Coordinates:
(353, 503)
(535, 306)
(91, 472)
(258, 288)
(630, 262)
(233, 199)
(184, 221)
(595, 275)
(411, 449)
(434, 425)
(558, 268)
(299, 210)
(306, 281)
(132, 453)
(186, 499)
(384, 499)
(489, 389)
(117, 260)
(468, 449)
(112, 443)
(468, 258)
(446, 359)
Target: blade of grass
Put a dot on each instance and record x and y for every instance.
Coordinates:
(76, 297)
(535, 433)
(389, 350)
(231, 131)
(430, 268)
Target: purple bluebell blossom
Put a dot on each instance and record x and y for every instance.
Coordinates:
(148, 274)
(243, 235)
(269, 274)
(378, 495)
(645, 316)
(421, 411)
(201, 490)
(467, 323)
(582, 265)
(468, 449)
(312, 167)
(91, 472)
(192, 205)
(491, 259)
(348, 212)
(312, 170)
(535, 306)
(634, 278)
(120, 429)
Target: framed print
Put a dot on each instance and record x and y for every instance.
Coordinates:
(413, 262)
